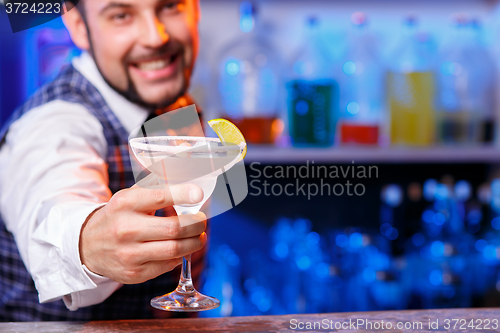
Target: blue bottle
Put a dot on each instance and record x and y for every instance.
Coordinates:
(313, 96)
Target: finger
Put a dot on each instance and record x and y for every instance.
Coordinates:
(147, 200)
(165, 250)
(148, 271)
(157, 268)
(168, 228)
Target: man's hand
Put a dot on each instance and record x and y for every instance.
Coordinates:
(125, 242)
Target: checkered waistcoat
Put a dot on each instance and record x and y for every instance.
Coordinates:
(18, 296)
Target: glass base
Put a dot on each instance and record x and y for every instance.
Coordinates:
(185, 302)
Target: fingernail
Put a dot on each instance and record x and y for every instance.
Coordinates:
(195, 196)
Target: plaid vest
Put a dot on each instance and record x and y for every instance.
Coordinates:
(18, 296)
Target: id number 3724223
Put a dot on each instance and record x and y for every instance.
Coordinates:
(34, 8)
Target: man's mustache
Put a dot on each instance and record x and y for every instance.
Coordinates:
(165, 51)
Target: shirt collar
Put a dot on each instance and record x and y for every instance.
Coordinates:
(130, 115)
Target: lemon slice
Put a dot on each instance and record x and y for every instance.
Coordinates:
(228, 132)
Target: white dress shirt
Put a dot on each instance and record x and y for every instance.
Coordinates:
(53, 174)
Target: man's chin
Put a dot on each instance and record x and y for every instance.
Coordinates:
(159, 99)
(160, 94)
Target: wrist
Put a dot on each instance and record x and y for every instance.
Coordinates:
(83, 242)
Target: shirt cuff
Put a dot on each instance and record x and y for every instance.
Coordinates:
(104, 288)
(77, 285)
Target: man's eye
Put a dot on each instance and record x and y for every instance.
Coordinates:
(120, 17)
(172, 5)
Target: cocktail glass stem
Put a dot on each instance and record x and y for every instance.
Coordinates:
(185, 282)
(185, 298)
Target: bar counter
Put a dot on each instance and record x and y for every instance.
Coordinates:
(447, 320)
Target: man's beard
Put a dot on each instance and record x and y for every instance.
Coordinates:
(132, 95)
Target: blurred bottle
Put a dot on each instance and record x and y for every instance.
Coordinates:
(443, 286)
(361, 87)
(465, 87)
(486, 264)
(249, 81)
(223, 279)
(391, 288)
(388, 290)
(312, 92)
(413, 207)
(411, 89)
(300, 258)
(391, 197)
(443, 219)
(485, 93)
(348, 251)
(444, 276)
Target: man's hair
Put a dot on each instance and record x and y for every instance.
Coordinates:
(73, 2)
(70, 4)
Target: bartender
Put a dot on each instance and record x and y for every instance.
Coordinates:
(78, 241)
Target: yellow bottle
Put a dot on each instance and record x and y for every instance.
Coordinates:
(411, 89)
(412, 115)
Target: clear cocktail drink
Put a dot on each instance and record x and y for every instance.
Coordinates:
(178, 160)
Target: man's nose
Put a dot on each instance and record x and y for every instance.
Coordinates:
(155, 34)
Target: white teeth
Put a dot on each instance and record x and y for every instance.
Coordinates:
(154, 65)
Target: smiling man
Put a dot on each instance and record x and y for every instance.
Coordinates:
(144, 50)
(78, 240)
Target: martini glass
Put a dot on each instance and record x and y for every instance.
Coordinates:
(194, 160)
